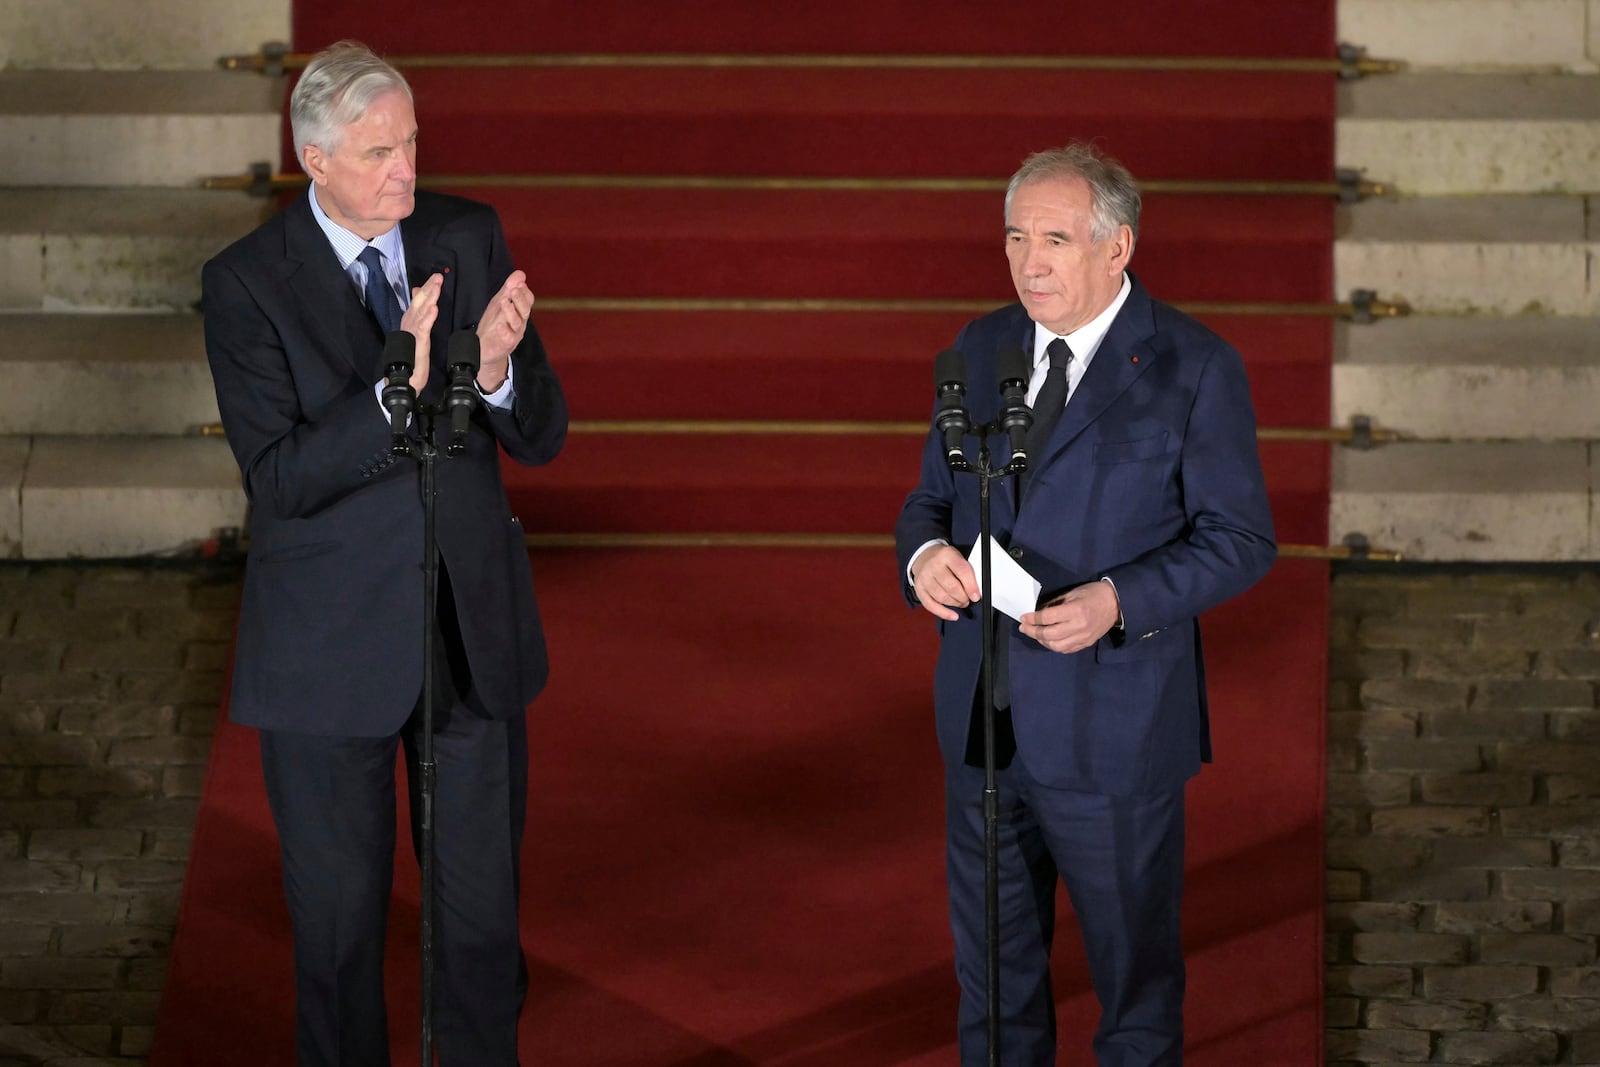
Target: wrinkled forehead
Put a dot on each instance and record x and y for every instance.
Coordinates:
(1051, 203)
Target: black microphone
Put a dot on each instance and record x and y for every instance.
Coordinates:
(950, 382)
(461, 393)
(399, 399)
(1011, 373)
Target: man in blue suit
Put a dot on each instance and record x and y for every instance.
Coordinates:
(329, 662)
(1143, 507)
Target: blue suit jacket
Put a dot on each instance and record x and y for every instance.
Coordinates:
(1151, 478)
(331, 625)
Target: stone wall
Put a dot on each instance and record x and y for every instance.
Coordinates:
(110, 679)
(1463, 830)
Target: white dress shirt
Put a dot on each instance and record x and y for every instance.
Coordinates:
(1084, 342)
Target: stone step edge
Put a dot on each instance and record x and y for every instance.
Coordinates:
(50, 510)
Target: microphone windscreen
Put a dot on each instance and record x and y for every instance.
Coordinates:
(950, 368)
(1010, 365)
(464, 349)
(400, 347)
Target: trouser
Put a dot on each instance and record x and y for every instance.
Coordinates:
(1121, 858)
(333, 801)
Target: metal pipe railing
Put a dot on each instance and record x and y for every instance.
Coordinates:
(1349, 62)
(1356, 188)
(234, 542)
(1347, 187)
(1359, 434)
(1356, 550)
(1363, 306)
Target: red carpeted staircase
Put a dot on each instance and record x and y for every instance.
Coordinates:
(734, 853)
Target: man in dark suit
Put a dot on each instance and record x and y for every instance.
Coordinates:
(1143, 507)
(330, 643)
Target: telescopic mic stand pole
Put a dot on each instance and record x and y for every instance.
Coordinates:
(428, 455)
(400, 401)
(953, 422)
(991, 788)
(462, 361)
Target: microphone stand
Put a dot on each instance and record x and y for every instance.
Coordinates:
(423, 450)
(985, 472)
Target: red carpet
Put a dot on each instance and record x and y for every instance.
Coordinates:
(1151, 27)
(863, 122)
(761, 243)
(734, 852)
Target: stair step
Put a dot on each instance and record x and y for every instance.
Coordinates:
(147, 374)
(1504, 255)
(114, 34)
(118, 497)
(135, 128)
(13, 465)
(873, 366)
(1490, 34)
(810, 122)
(113, 497)
(143, 248)
(1472, 377)
(1473, 133)
(668, 484)
(871, 244)
(114, 249)
(1160, 27)
(105, 374)
(124, 373)
(1503, 501)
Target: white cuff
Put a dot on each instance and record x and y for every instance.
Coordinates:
(501, 398)
(918, 555)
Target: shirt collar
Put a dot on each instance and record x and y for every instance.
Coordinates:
(348, 245)
(1085, 340)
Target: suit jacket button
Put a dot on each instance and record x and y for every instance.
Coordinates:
(1015, 553)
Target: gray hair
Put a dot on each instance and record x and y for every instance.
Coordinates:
(334, 90)
(1113, 194)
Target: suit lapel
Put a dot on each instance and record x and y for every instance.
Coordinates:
(1123, 355)
(332, 315)
(426, 256)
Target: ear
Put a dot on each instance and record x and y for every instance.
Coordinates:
(315, 162)
(1120, 249)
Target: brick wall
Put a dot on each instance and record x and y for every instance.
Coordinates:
(1463, 832)
(109, 685)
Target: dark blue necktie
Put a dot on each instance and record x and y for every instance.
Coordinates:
(381, 301)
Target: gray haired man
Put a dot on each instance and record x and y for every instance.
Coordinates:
(329, 661)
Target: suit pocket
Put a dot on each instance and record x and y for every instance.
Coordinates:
(1162, 644)
(1131, 451)
(291, 552)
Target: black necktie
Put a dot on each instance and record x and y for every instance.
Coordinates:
(1046, 413)
(381, 301)
(1048, 405)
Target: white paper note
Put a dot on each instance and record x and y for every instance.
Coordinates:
(1015, 591)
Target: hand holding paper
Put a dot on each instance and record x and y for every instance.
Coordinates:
(1015, 591)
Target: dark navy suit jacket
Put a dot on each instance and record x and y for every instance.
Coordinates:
(1151, 478)
(331, 628)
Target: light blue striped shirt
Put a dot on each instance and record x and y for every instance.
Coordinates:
(347, 246)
